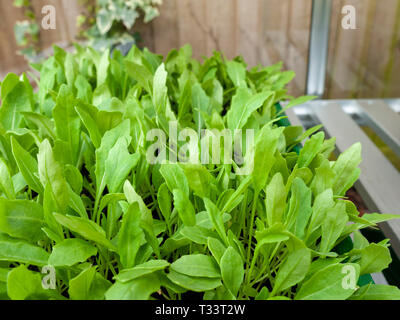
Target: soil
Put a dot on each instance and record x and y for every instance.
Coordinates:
(354, 197)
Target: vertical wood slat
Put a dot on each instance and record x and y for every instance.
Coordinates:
(361, 62)
(9, 61)
(166, 28)
(285, 37)
(248, 30)
(221, 24)
(192, 26)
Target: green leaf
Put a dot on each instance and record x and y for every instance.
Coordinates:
(275, 200)
(14, 250)
(345, 169)
(297, 101)
(71, 251)
(104, 20)
(243, 105)
(200, 105)
(107, 143)
(217, 219)
(141, 270)
(16, 101)
(8, 84)
(332, 226)
(67, 122)
(88, 285)
(130, 236)
(236, 72)
(79, 287)
(21, 219)
(232, 270)
(84, 89)
(160, 89)
(86, 228)
(90, 124)
(102, 68)
(164, 201)
(299, 207)
(199, 179)
(27, 165)
(146, 222)
(175, 178)
(311, 148)
(52, 174)
(119, 164)
(197, 284)
(196, 234)
(264, 158)
(293, 270)
(327, 284)
(376, 292)
(323, 178)
(185, 208)
(140, 73)
(111, 198)
(44, 124)
(137, 289)
(217, 248)
(6, 183)
(23, 283)
(374, 258)
(196, 265)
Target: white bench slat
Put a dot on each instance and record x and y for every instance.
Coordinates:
(293, 118)
(379, 182)
(386, 119)
(379, 278)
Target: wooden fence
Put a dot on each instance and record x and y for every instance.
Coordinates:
(361, 63)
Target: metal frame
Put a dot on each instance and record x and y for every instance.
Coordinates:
(318, 49)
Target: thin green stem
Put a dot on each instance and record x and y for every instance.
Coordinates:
(252, 217)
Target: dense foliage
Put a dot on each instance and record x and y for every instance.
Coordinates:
(78, 193)
(27, 31)
(112, 22)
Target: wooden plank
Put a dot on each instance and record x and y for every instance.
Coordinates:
(10, 61)
(362, 62)
(166, 28)
(381, 62)
(391, 86)
(285, 37)
(248, 31)
(71, 10)
(60, 34)
(221, 27)
(385, 119)
(346, 49)
(146, 33)
(192, 26)
(379, 182)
